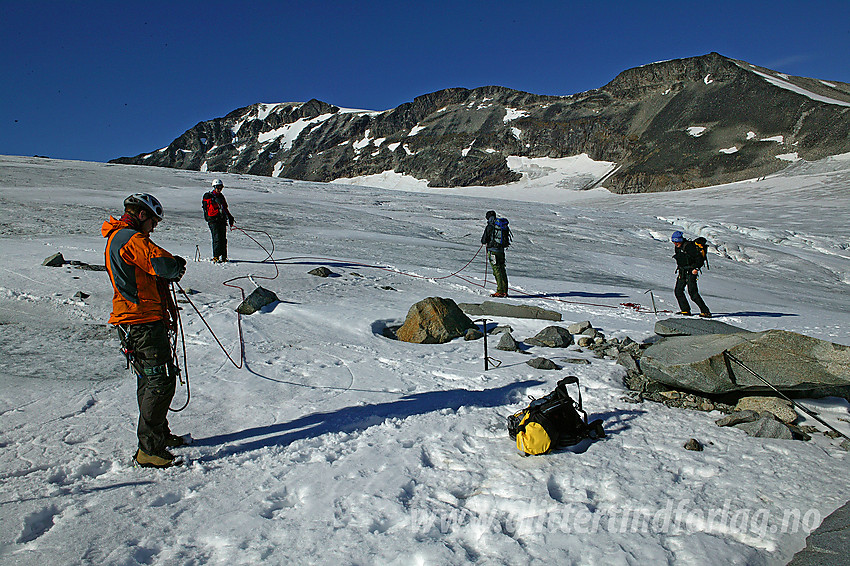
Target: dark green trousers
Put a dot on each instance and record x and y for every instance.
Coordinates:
(156, 380)
(497, 262)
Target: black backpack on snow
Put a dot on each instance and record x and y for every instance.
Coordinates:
(501, 235)
(553, 421)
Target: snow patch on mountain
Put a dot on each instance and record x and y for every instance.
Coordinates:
(787, 85)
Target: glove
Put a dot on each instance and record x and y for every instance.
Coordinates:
(232, 221)
(182, 268)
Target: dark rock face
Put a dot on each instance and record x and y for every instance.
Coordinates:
(460, 137)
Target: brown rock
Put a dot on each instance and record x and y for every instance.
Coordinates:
(782, 409)
(434, 321)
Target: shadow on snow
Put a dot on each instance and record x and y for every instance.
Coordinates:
(349, 419)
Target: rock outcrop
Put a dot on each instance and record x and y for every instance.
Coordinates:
(790, 362)
(694, 327)
(495, 308)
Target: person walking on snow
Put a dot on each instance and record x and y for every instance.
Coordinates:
(689, 260)
(144, 313)
(496, 238)
(217, 216)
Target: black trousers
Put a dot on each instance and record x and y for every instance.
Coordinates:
(219, 239)
(689, 280)
(156, 380)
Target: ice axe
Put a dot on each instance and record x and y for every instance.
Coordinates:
(487, 358)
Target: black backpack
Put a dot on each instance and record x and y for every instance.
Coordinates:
(553, 421)
(501, 235)
(702, 246)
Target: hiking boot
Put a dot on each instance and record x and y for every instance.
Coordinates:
(685, 313)
(215, 259)
(499, 295)
(705, 315)
(173, 441)
(162, 459)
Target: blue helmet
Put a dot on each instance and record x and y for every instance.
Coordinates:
(677, 237)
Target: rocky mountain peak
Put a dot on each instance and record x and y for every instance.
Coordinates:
(669, 125)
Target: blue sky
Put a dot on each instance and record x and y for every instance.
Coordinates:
(99, 80)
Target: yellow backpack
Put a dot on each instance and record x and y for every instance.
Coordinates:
(553, 421)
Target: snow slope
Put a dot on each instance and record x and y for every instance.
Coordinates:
(336, 445)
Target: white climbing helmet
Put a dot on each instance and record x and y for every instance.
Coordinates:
(148, 201)
(217, 183)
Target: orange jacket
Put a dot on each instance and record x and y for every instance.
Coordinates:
(134, 264)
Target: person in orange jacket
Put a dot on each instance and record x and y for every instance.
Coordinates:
(144, 314)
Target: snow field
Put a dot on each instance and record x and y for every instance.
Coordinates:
(334, 444)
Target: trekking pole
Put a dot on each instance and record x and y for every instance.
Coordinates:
(487, 358)
(809, 412)
(651, 296)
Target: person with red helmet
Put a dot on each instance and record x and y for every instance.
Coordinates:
(144, 314)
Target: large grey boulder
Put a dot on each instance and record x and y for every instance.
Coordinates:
(434, 321)
(507, 343)
(494, 308)
(789, 361)
(694, 327)
(258, 299)
(552, 337)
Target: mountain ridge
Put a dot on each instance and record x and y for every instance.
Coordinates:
(669, 125)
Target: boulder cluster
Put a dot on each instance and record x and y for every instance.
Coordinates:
(688, 365)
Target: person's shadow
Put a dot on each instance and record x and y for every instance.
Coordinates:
(348, 419)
